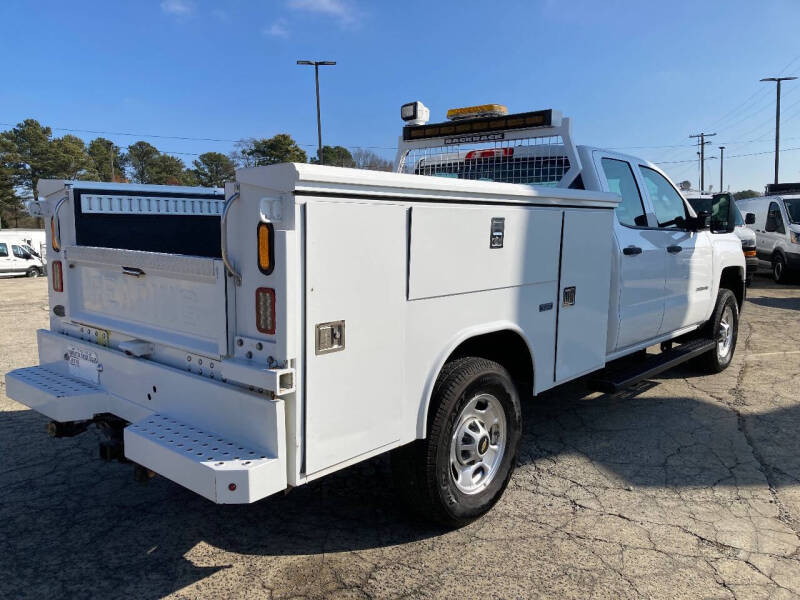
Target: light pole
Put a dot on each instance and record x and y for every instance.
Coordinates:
(777, 117)
(721, 160)
(316, 64)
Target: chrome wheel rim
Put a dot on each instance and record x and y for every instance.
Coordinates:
(478, 444)
(725, 333)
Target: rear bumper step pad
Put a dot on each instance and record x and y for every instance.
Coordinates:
(60, 397)
(616, 378)
(224, 471)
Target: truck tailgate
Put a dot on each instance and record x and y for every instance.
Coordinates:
(172, 299)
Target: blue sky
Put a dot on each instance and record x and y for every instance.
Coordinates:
(640, 76)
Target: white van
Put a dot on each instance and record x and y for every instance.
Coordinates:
(776, 223)
(17, 258)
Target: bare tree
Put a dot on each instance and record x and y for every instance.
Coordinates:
(367, 159)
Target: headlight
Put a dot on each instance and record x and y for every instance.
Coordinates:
(795, 237)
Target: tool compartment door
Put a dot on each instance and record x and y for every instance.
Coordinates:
(585, 277)
(355, 286)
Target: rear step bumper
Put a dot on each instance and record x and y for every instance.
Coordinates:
(221, 470)
(616, 378)
(222, 442)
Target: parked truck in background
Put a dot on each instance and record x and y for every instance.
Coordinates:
(713, 204)
(307, 318)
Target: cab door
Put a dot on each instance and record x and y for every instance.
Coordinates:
(640, 261)
(688, 254)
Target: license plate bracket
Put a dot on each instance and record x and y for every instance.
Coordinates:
(83, 364)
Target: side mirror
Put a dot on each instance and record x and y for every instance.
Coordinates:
(724, 212)
(700, 222)
(749, 219)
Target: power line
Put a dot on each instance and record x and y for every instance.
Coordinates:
(184, 138)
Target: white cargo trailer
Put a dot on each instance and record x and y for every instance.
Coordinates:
(311, 317)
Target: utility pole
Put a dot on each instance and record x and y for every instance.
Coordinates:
(777, 117)
(702, 141)
(316, 64)
(721, 160)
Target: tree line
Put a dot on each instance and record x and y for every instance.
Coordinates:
(29, 152)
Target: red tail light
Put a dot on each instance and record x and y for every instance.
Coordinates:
(57, 276)
(495, 153)
(265, 310)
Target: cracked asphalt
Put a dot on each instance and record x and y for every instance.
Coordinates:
(687, 486)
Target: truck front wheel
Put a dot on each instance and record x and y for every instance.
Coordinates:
(461, 469)
(724, 328)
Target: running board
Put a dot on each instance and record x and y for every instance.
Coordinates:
(616, 378)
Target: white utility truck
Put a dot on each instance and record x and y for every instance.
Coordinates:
(245, 341)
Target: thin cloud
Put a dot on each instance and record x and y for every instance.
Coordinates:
(180, 8)
(277, 29)
(341, 10)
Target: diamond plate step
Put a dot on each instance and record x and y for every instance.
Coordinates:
(222, 470)
(61, 397)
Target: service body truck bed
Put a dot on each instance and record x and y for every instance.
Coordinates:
(321, 327)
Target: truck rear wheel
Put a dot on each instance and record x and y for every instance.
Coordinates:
(32, 272)
(461, 469)
(724, 328)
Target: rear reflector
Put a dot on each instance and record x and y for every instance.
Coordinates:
(266, 248)
(265, 310)
(57, 276)
(749, 253)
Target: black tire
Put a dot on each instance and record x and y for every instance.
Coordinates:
(32, 272)
(717, 360)
(779, 272)
(422, 470)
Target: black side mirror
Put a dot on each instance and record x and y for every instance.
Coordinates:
(724, 208)
(700, 222)
(749, 219)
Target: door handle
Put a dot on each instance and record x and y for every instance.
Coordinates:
(674, 249)
(631, 250)
(132, 271)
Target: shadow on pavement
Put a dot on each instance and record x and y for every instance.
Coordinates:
(784, 303)
(75, 526)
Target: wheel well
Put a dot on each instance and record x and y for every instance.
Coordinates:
(505, 347)
(733, 280)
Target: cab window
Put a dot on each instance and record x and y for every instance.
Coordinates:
(774, 219)
(667, 202)
(630, 211)
(3, 250)
(18, 252)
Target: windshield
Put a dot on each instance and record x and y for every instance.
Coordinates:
(793, 209)
(30, 250)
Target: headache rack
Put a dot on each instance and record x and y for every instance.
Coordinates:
(508, 149)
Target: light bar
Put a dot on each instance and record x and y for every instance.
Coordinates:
(478, 130)
(473, 112)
